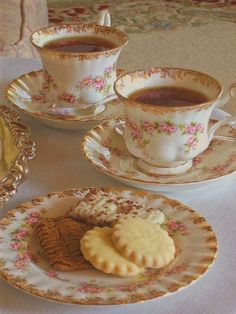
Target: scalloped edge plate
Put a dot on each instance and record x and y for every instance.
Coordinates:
(23, 266)
(105, 149)
(26, 95)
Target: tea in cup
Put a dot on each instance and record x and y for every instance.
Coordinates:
(167, 114)
(79, 61)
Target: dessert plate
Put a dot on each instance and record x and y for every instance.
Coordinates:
(23, 265)
(26, 93)
(105, 149)
(16, 149)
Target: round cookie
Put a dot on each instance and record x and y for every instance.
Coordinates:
(142, 242)
(98, 248)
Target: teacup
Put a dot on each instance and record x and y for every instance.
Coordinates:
(165, 139)
(85, 77)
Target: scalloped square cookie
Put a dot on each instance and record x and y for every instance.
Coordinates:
(142, 242)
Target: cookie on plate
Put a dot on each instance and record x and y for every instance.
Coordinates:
(142, 242)
(99, 250)
(105, 208)
(59, 238)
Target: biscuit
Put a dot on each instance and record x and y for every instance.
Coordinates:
(105, 208)
(99, 250)
(59, 239)
(143, 243)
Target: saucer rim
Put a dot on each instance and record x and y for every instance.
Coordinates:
(122, 178)
(44, 115)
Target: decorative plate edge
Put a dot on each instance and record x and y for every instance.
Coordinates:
(57, 297)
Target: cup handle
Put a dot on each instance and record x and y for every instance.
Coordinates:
(231, 93)
(104, 18)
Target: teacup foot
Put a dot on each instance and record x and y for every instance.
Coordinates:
(151, 169)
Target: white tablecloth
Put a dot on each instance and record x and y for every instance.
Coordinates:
(59, 165)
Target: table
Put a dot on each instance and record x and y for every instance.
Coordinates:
(59, 165)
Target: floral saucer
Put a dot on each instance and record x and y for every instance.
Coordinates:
(106, 150)
(26, 93)
(23, 265)
(16, 149)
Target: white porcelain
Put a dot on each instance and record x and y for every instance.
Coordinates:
(79, 77)
(166, 139)
(23, 265)
(25, 93)
(105, 149)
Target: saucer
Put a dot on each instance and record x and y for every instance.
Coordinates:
(24, 267)
(26, 94)
(105, 149)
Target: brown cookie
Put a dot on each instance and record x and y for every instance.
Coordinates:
(59, 239)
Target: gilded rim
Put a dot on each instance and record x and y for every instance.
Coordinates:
(106, 29)
(26, 147)
(10, 90)
(193, 219)
(110, 173)
(156, 108)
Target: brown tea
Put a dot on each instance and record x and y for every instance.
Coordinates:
(169, 96)
(80, 44)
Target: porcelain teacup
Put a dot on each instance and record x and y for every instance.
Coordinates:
(165, 139)
(74, 77)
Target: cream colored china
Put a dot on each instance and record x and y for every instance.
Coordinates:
(105, 149)
(166, 139)
(23, 265)
(17, 149)
(25, 93)
(79, 77)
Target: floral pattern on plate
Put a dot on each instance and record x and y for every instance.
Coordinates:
(218, 161)
(23, 266)
(30, 95)
(139, 16)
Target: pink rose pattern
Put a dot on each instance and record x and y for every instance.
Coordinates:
(20, 239)
(221, 169)
(145, 279)
(174, 226)
(115, 150)
(21, 236)
(99, 82)
(68, 97)
(42, 99)
(104, 161)
(192, 131)
(46, 85)
(48, 81)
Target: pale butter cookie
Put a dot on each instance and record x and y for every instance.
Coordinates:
(143, 243)
(97, 247)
